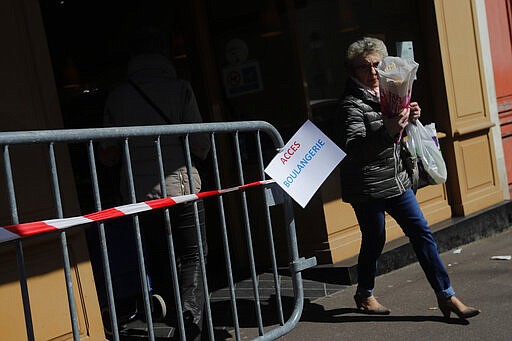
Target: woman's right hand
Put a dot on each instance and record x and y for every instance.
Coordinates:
(394, 125)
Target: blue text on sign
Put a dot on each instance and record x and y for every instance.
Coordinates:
(303, 163)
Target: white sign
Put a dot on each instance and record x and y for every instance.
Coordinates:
(304, 163)
(404, 49)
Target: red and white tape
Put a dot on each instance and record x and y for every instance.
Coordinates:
(28, 229)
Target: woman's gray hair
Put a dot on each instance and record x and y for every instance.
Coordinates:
(363, 47)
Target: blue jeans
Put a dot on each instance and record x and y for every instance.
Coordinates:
(407, 213)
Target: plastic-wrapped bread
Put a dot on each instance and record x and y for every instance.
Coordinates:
(396, 76)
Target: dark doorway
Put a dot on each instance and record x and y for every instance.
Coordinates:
(88, 46)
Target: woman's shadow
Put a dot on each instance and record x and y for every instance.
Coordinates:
(314, 312)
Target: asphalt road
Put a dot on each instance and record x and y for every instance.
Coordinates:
(477, 279)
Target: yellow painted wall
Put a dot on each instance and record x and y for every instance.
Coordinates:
(29, 102)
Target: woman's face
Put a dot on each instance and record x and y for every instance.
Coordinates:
(365, 69)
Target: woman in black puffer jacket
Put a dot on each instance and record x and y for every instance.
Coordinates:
(374, 181)
(372, 168)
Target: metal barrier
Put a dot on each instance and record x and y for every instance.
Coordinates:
(239, 132)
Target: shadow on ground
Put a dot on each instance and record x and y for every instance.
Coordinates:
(312, 312)
(224, 329)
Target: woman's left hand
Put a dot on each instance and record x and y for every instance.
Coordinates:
(415, 112)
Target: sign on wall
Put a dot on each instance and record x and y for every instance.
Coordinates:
(242, 79)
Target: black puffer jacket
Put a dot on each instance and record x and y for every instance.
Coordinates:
(372, 168)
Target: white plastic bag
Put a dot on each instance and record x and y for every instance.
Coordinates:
(422, 142)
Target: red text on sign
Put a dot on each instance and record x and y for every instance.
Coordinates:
(290, 151)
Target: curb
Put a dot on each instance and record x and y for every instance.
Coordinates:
(398, 253)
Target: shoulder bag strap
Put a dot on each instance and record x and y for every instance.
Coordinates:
(143, 94)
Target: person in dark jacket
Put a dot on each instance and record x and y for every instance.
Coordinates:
(374, 181)
(156, 96)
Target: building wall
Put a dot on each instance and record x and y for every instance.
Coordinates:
(495, 27)
(473, 181)
(29, 102)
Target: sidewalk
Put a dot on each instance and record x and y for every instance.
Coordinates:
(329, 310)
(477, 279)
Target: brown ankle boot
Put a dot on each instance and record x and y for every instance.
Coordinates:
(370, 305)
(453, 304)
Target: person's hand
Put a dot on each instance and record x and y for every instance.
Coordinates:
(415, 112)
(394, 125)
